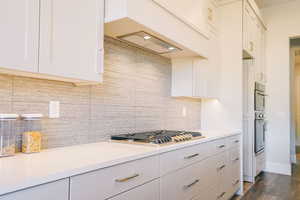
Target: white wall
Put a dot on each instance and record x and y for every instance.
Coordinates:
(282, 22)
(226, 112)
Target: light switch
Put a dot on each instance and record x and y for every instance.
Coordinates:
(54, 109)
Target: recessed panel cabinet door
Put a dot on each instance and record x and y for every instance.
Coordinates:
(19, 26)
(191, 12)
(70, 39)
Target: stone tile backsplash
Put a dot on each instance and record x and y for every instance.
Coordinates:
(135, 96)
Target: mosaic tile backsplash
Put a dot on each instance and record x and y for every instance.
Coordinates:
(135, 96)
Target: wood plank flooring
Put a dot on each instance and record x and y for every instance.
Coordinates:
(276, 187)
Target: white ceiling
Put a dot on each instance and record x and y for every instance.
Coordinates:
(266, 3)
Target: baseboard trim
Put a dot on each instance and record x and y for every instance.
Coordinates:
(278, 168)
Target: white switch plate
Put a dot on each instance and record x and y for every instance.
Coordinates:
(184, 111)
(54, 109)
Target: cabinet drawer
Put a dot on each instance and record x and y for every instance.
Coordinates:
(111, 181)
(219, 146)
(235, 164)
(177, 159)
(235, 171)
(58, 190)
(149, 191)
(187, 183)
(222, 168)
(234, 141)
(207, 194)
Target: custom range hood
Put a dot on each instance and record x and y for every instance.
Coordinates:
(145, 24)
(149, 42)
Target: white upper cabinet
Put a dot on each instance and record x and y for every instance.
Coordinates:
(19, 24)
(212, 16)
(53, 39)
(249, 31)
(71, 39)
(192, 12)
(254, 40)
(197, 77)
(194, 77)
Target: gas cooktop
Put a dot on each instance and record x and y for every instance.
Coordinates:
(157, 137)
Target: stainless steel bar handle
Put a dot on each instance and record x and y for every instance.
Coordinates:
(236, 182)
(192, 156)
(190, 185)
(237, 159)
(127, 179)
(222, 167)
(221, 195)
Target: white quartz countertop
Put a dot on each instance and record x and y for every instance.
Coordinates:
(27, 170)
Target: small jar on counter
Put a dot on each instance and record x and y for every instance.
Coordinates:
(8, 129)
(32, 136)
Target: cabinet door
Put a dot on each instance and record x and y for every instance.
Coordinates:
(258, 63)
(58, 190)
(201, 72)
(212, 15)
(263, 54)
(19, 24)
(214, 73)
(149, 191)
(191, 12)
(114, 180)
(248, 29)
(188, 182)
(181, 69)
(71, 39)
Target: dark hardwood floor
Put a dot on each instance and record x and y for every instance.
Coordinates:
(276, 187)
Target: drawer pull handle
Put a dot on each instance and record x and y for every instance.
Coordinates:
(190, 185)
(127, 179)
(222, 167)
(221, 195)
(236, 182)
(237, 141)
(192, 156)
(237, 159)
(221, 146)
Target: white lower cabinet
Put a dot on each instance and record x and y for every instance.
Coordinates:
(174, 160)
(214, 178)
(58, 190)
(207, 194)
(108, 182)
(187, 183)
(206, 171)
(149, 191)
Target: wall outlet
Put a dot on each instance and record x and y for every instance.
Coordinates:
(54, 109)
(184, 111)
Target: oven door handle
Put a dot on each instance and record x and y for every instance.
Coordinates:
(264, 131)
